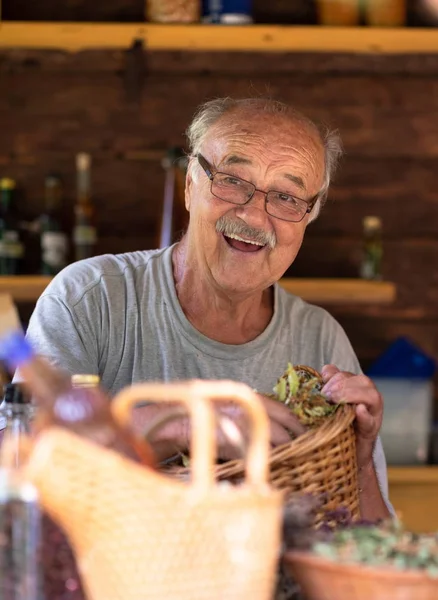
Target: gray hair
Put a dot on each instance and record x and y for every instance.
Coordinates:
(210, 112)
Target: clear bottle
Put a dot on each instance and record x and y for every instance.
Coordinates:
(371, 265)
(83, 410)
(84, 232)
(54, 243)
(20, 518)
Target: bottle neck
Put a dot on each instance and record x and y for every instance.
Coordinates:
(83, 186)
(18, 419)
(5, 200)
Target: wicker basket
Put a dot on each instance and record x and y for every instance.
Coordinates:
(138, 534)
(321, 462)
(322, 579)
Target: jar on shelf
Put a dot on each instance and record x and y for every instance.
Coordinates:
(385, 13)
(338, 12)
(173, 11)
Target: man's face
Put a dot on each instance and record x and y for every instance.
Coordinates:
(273, 153)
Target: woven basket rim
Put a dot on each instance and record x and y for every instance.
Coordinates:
(308, 442)
(305, 444)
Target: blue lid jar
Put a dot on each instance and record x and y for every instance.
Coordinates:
(227, 12)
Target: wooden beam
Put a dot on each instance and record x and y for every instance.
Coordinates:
(73, 37)
(341, 291)
(27, 288)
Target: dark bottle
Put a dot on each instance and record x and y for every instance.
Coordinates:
(20, 523)
(83, 410)
(371, 265)
(54, 243)
(11, 246)
(84, 232)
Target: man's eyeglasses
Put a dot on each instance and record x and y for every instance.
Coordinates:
(232, 189)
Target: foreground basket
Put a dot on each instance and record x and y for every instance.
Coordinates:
(322, 579)
(321, 462)
(137, 534)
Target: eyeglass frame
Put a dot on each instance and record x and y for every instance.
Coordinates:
(211, 173)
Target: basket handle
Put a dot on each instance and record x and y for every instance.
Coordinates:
(197, 397)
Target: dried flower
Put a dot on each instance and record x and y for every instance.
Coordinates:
(301, 391)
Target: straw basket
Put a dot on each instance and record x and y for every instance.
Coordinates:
(138, 534)
(321, 462)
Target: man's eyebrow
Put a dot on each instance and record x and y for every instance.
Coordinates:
(235, 159)
(296, 179)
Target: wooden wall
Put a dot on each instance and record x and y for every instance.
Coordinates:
(128, 110)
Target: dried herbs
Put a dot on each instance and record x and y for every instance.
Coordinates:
(301, 391)
(385, 545)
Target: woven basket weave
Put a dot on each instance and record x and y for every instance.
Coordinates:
(140, 535)
(321, 461)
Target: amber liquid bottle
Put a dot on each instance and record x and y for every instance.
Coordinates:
(82, 410)
(84, 231)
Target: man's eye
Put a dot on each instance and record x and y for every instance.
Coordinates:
(286, 198)
(232, 180)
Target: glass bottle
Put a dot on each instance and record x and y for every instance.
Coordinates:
(371, 265)
(20, 519)
(54, 243)
(84, 231)
(83, 410)
(11, 246)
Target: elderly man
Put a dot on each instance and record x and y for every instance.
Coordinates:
(210, 306)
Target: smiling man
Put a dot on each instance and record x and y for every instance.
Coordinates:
(210, 306)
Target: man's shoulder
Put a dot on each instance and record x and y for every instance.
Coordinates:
(79, 278)
(298, 310)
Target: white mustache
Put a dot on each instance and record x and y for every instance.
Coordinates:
(229, 227)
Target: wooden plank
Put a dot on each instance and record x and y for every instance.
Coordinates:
(413, 493)
(73, 37)
(417, 474)
(26, 288)
(348, 291)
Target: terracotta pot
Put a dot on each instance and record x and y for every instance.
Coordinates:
(385, 13)
(322, 579)
(338, 12)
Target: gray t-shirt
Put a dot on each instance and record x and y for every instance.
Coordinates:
(119, 316)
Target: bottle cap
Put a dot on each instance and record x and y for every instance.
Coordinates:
(83, 161)
(372, 222)
(7, 184)
(15, 394)
(80, 380)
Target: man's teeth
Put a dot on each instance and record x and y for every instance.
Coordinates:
(239, 239)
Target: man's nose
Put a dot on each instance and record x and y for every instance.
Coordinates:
(254, 211)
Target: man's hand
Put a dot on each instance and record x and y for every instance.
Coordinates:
(341, 386)
(174, 435)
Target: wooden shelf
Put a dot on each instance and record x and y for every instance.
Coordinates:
(320, 291)
(341, 291)
(73, 37)
(413, 492)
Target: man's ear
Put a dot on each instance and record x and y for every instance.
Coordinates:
(188, 189)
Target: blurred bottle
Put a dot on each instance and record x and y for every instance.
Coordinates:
(85, 381)
(371, 265)
(11, 246)
(228, 12)
(83, 410)
(84, 231)
(20, 518)
(54, 244)
(171, 11)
